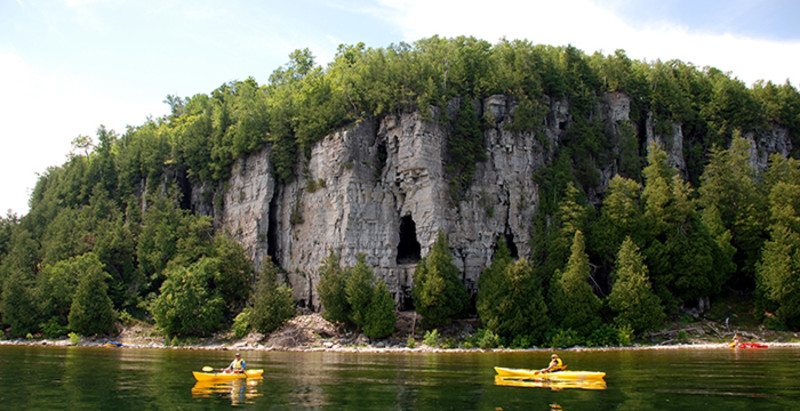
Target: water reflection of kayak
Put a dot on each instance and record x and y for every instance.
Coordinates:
(593, 384)
(223, 376)
(115, 344)
(557, 375)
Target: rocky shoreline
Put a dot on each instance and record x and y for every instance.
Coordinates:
(312, 333)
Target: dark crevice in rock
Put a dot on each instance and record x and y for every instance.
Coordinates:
(408, 251)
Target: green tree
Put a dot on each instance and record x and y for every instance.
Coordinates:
(331, 290)
(521, 309)
(358, 290)
(273, 304)
(582, 306)
(778, 273)
(381, 317)
(728, 188)
(186, 305)
(492, 285)
(17, 304)
(685, 262)
(631, 296)
(92, 311)
(439, 294)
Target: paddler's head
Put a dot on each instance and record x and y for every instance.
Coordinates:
(553, 357)
(237, 355)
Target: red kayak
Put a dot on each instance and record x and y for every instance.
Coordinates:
(749, 345)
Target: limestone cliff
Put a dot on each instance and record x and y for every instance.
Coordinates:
(379, 188)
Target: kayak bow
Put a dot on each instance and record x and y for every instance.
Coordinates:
(556, 375)
(223, 376)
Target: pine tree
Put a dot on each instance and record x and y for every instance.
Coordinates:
(17, 304)
(492, 286)
(331, 290)
(778, 273)
(439, 294)
(631, 295)
(358, 290)
(92, 311)
(273, 304)
(583, 306)
(521, 309)
(381, 317)
(728, 184)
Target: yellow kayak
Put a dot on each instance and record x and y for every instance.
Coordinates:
(224, 376)
(557, 375)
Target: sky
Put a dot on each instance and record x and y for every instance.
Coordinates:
(69, 66)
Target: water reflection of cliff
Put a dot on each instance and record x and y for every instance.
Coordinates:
(241, 391)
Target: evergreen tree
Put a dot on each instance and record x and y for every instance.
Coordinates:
(521, 308)
(778, 273)
(92, 311)
(439, 294)
(17, 304)
(358, 290)
(492, 286)
(631, 296)
(729, 188)
(685, 262)
(273, 304)
(381, 317)
(583, 306)
(331, 290)
(186, 305)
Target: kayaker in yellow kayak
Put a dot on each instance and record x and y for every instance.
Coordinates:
(237, 365)
(555, 364)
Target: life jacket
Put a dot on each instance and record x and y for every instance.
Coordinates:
(558, 366)
(237, 364)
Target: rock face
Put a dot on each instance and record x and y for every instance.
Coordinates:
(379, 188)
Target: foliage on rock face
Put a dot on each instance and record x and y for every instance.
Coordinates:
(631, 295)
(439, 294)
(273, 303)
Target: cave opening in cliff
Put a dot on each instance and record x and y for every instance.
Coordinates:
(512, 248)
(408, 251)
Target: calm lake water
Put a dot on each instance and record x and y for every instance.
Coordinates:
(123, 378)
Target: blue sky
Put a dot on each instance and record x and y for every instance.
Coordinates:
(67, 66)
